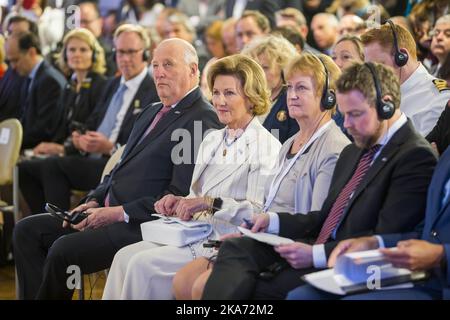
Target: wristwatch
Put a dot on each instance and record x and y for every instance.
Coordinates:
(217, 205)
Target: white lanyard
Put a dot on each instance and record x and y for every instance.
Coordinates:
(276, 181)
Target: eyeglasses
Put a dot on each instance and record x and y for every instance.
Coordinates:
(129, 52)
(436, 32)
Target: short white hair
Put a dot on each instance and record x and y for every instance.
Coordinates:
(331, 18)
(443, 19)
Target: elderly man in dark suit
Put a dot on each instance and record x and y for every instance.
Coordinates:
(52, 179)
(379, 186)
(158, 159)
(39, 92)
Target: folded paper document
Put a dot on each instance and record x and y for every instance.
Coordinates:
(362, 271)
(174, 231)
(268, 238)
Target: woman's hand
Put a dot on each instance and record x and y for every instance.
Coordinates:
(167, 204)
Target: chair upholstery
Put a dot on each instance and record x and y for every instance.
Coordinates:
(10, 143)
(11, 134)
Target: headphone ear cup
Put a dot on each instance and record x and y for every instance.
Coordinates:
(385, 109)
(401, 58)
(329, 100)
(146, 55)
(94, 56)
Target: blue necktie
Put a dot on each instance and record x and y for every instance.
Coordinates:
(109, 121)
(446, 192)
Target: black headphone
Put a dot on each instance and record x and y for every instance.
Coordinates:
(93, 58)
(385, 108)
(328, 100)
(400, 57)
(145, 54)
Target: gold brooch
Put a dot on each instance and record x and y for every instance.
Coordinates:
(281, 116)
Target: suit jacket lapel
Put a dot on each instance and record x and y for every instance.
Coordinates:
(389, 150)
(242, 148)
(434, 202)
(163, 124)
(210, 146)
(227, 169)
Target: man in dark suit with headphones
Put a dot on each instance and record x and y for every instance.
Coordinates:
(379, 185)
(109, 127)
(423, 97)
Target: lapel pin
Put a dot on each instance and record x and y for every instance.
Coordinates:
(177, 112)
(384, 159)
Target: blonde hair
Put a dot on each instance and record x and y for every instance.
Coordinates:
(98, 64)
(139, 30)
(250, 75)
(358, 77)
(356, 43)
(2, 49)
(261, 20)
(385, 38)
(277, 49)
(313, 66)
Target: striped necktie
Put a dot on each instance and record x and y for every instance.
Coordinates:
(343, 199)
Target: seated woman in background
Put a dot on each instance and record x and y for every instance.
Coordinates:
(83, 59)
(233, 165)
(273, 53)
(306, 161)
(347, 50)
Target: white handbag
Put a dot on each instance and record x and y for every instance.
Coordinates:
(172, 231)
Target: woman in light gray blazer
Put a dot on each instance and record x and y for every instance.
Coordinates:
(233, 165)
(306, 162)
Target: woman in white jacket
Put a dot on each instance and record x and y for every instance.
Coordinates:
(233, 165)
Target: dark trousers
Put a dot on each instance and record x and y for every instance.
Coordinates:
(44, 251)
(236, 272)
(52, 179)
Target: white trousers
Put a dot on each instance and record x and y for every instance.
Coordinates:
(145, 271)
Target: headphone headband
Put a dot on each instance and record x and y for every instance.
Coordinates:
(328, 100)
(385, 109)
(400, 57)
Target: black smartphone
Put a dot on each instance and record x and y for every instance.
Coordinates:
(74, 218)
(79, 127)
(212, 244)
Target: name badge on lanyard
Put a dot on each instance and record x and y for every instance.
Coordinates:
(276, 181)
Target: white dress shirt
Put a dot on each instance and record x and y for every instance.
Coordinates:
(421, 100)
(132, 87)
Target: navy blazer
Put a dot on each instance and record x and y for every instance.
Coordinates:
(10, 86)
(390, 198)
(152, 168)
(441, 132)
(279, 119)
(40, 106)
(436, 227)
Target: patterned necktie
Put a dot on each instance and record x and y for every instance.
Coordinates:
(344, 197)
(156, 119)
(109, 120)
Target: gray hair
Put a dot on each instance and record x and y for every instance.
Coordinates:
(443, 19)
(189, 54)
(332, 20)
